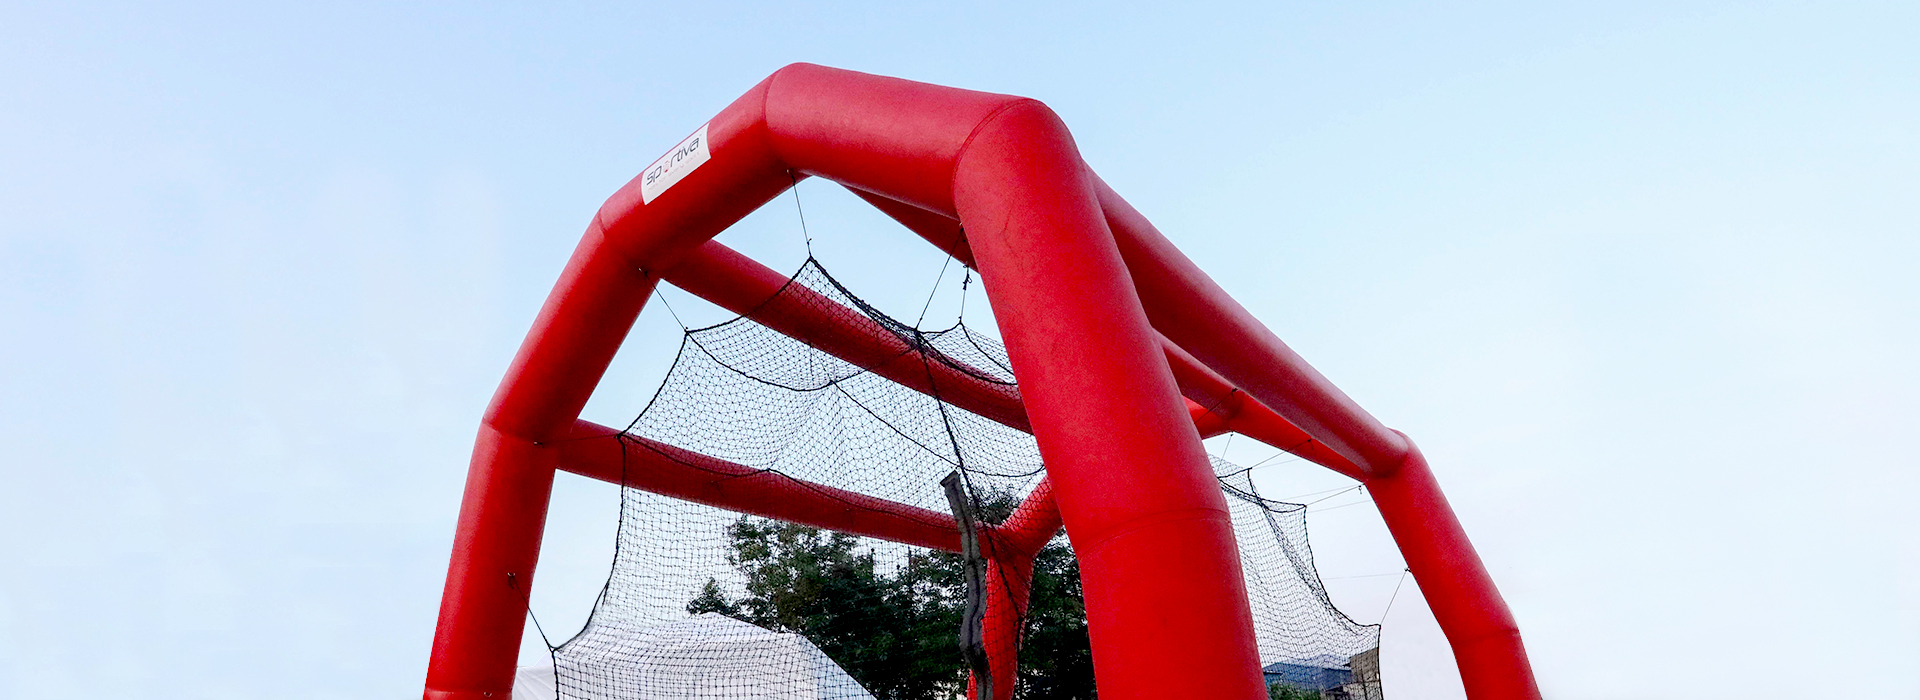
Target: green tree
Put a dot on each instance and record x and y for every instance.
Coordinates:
(896, 633)
(1282, 691)
(883, 629)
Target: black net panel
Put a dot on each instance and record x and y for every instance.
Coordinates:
(707, 603)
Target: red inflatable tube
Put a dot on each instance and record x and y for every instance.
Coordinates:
(1217, 399)
(1196, 314)
(1029, 527)
(735, 282)
(1012, 546)
(1082, 286)
(1238, 412)
(1009, 587)
(596, 451)
(1485, 639)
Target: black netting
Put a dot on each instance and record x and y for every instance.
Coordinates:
(707, 603)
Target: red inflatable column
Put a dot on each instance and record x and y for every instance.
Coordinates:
(1486, 641)
(504, 509)
(1166, 601)
(1009, 586)
(1012, 545)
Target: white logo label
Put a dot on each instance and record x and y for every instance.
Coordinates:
(674, 165)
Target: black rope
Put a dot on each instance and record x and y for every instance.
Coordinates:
(670, 311)
(984, 681)
(1336, 494)
(934, 291)
(1396, 595)
(1264, 463)
(1343, 505)
(964, 283)
(1343, 578)
(795, 180)
(1318, 493)
(527, 596)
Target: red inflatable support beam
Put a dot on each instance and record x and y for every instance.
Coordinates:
(599, 452)
(1220, 407)
(1012, 545)
(735, 282)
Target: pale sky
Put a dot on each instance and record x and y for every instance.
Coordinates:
(1638, 277)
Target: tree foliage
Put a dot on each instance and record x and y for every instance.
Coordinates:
(1282, 691)
(896, 632)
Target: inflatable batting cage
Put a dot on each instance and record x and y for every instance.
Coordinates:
(822, 501)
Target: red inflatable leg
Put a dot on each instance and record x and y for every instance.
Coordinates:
(1167, 603)
(504, 510)
(1009, 585)
(1486, 642)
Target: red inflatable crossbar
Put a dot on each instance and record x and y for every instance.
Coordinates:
(738, 284)
(735, 282)
(599, 452)
(1226, 408)
(1099, 313)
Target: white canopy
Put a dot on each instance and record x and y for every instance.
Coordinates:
(710, 657)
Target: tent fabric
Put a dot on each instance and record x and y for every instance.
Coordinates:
(534, 683)
(708, 657)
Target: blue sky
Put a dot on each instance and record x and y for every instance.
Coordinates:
(1639, 277)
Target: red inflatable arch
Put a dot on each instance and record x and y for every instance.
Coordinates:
(1108, 327)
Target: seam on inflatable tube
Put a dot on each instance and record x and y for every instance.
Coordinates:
(953, 173)
(1159, 518)
(766, 123)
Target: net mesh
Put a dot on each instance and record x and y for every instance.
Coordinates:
(707, 603)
